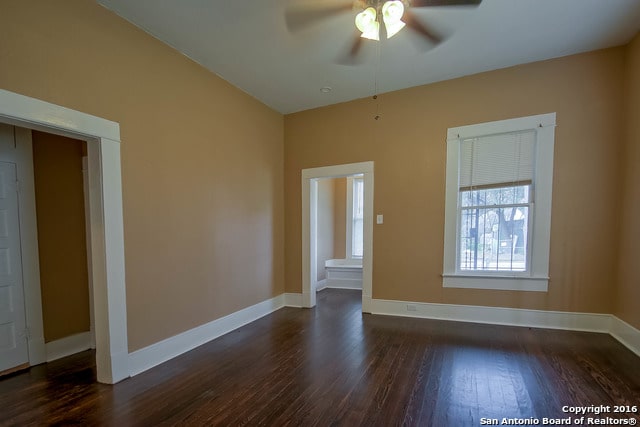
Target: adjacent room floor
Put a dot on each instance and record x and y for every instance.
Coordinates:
(331, 365)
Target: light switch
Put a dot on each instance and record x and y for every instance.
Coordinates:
(379, 219)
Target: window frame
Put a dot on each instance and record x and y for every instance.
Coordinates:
(536, 278)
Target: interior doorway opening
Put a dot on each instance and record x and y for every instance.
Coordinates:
(312, 180)
(49, 200)
(339, 226)
(107, 231)
(63, 232)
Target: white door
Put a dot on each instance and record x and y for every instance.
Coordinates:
(13, 339)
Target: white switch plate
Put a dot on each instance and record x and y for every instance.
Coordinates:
(379, 219)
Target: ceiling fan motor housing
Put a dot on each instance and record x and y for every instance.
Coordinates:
(360, 5)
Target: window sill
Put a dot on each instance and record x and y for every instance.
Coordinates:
(503, 283)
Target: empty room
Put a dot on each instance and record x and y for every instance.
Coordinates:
(319, 212)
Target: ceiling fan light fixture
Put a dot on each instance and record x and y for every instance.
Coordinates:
(366, 21)
(393, 28)
(373, 33)
(392, 12)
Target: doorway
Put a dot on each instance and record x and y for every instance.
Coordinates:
(310, 178)
(45, 169)
(107, 234)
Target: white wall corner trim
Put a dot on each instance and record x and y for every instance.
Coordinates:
(160, 352)
(68, 345)
(293, 300)
(626, 334)
(590, 322)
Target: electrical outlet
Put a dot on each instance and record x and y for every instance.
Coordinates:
(411, 307)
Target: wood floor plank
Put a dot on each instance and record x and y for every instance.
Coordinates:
(334, 366)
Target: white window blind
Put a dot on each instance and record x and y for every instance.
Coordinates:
(499, 159)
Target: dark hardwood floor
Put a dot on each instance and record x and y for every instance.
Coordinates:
(334, 366)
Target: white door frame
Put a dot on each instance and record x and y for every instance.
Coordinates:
(309, 208)
(87, 232)
(107, 231)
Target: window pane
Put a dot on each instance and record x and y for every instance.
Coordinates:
(358, 215)
(356, 248)
(493, 237)
(358, 199)
(468, 198)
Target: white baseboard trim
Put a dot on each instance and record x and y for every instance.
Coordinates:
(626, 334)
(591, 322)
(320, 285)
(155, 354)
(160, 352)
(344, 284)
(67, 346)
(293, 300)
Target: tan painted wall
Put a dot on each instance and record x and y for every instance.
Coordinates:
(340, 218)
(202, 161)
(408, 147)
(57, 167)
(203, 191)
(628, 297)
(325, 230)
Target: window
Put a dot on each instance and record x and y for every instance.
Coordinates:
(498, 204)
(355, 216)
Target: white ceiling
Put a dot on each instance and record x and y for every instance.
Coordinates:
(246, 43)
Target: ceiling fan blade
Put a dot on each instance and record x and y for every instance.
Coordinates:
(300, 16)
(352, 56)
(413, 23)
(428, 3)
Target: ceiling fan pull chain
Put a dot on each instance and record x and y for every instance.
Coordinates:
(377, 71)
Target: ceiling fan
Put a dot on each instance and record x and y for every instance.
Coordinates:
(374, 19)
